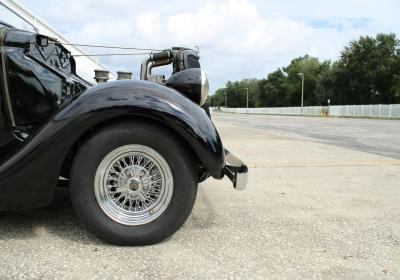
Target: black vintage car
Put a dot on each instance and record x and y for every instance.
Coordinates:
(131, 152)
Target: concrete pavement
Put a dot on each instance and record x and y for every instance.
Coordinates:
(314, 209)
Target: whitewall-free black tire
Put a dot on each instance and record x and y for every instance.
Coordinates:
(133, 183)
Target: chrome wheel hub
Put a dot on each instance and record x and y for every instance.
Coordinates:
(133, 185)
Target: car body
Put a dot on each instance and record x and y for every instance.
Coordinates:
(48, 113)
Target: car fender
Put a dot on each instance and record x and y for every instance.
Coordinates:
(29, 175)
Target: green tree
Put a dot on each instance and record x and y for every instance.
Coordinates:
(315, 74)
(236, 93)
(368, 71)
(218, 97)
(273, 90)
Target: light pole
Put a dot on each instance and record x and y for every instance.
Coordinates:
(302, 90)
(247, 103)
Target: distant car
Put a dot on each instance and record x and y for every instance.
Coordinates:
(131, 152)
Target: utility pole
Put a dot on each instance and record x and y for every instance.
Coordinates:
(247, 103)
(302, 90)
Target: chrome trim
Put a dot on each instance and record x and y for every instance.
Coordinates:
(236, 170)
(241, 181)
(204, 87)
(148, 64)
(144, 68)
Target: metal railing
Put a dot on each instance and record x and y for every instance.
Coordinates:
(368, 111)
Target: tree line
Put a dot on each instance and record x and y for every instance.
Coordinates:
(367, 72)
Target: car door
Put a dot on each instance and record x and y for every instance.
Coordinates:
(7, 139)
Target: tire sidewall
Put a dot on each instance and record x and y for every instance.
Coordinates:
(99, 146)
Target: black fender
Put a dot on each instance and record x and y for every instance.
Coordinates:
(29, 175)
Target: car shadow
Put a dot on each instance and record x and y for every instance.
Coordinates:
(203, 214)
(59, 219)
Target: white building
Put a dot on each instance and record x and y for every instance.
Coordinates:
(18, 16)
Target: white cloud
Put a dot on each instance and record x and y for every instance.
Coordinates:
(238, 38)
(148, 25)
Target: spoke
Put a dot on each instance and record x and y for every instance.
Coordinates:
(131, 201)
(110, 186)
(153, 192)
(125, 162)
(139, 160)
(111, 179)
(135, 172)
(148, 177)
(123, 188)
(120, 204)
(152, 167)
(151, 174)
(121, 168)
(141, 196)
(113, 171)
(115, 199)
(121, 173)
(155, 174)
(119, 165)
(132, 159)
(147, 164)
(123, 202)
(150, 181)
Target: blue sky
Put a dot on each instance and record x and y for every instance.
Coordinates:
(238, 38)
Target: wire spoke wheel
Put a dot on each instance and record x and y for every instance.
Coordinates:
(133, 185)
(133, 193)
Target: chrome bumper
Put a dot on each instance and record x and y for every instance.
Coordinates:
(236, 170)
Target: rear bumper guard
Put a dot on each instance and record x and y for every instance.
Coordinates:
(236, 170)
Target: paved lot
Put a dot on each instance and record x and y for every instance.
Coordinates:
(381, 137)
(322, 202)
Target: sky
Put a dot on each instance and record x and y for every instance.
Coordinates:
(238, 39)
